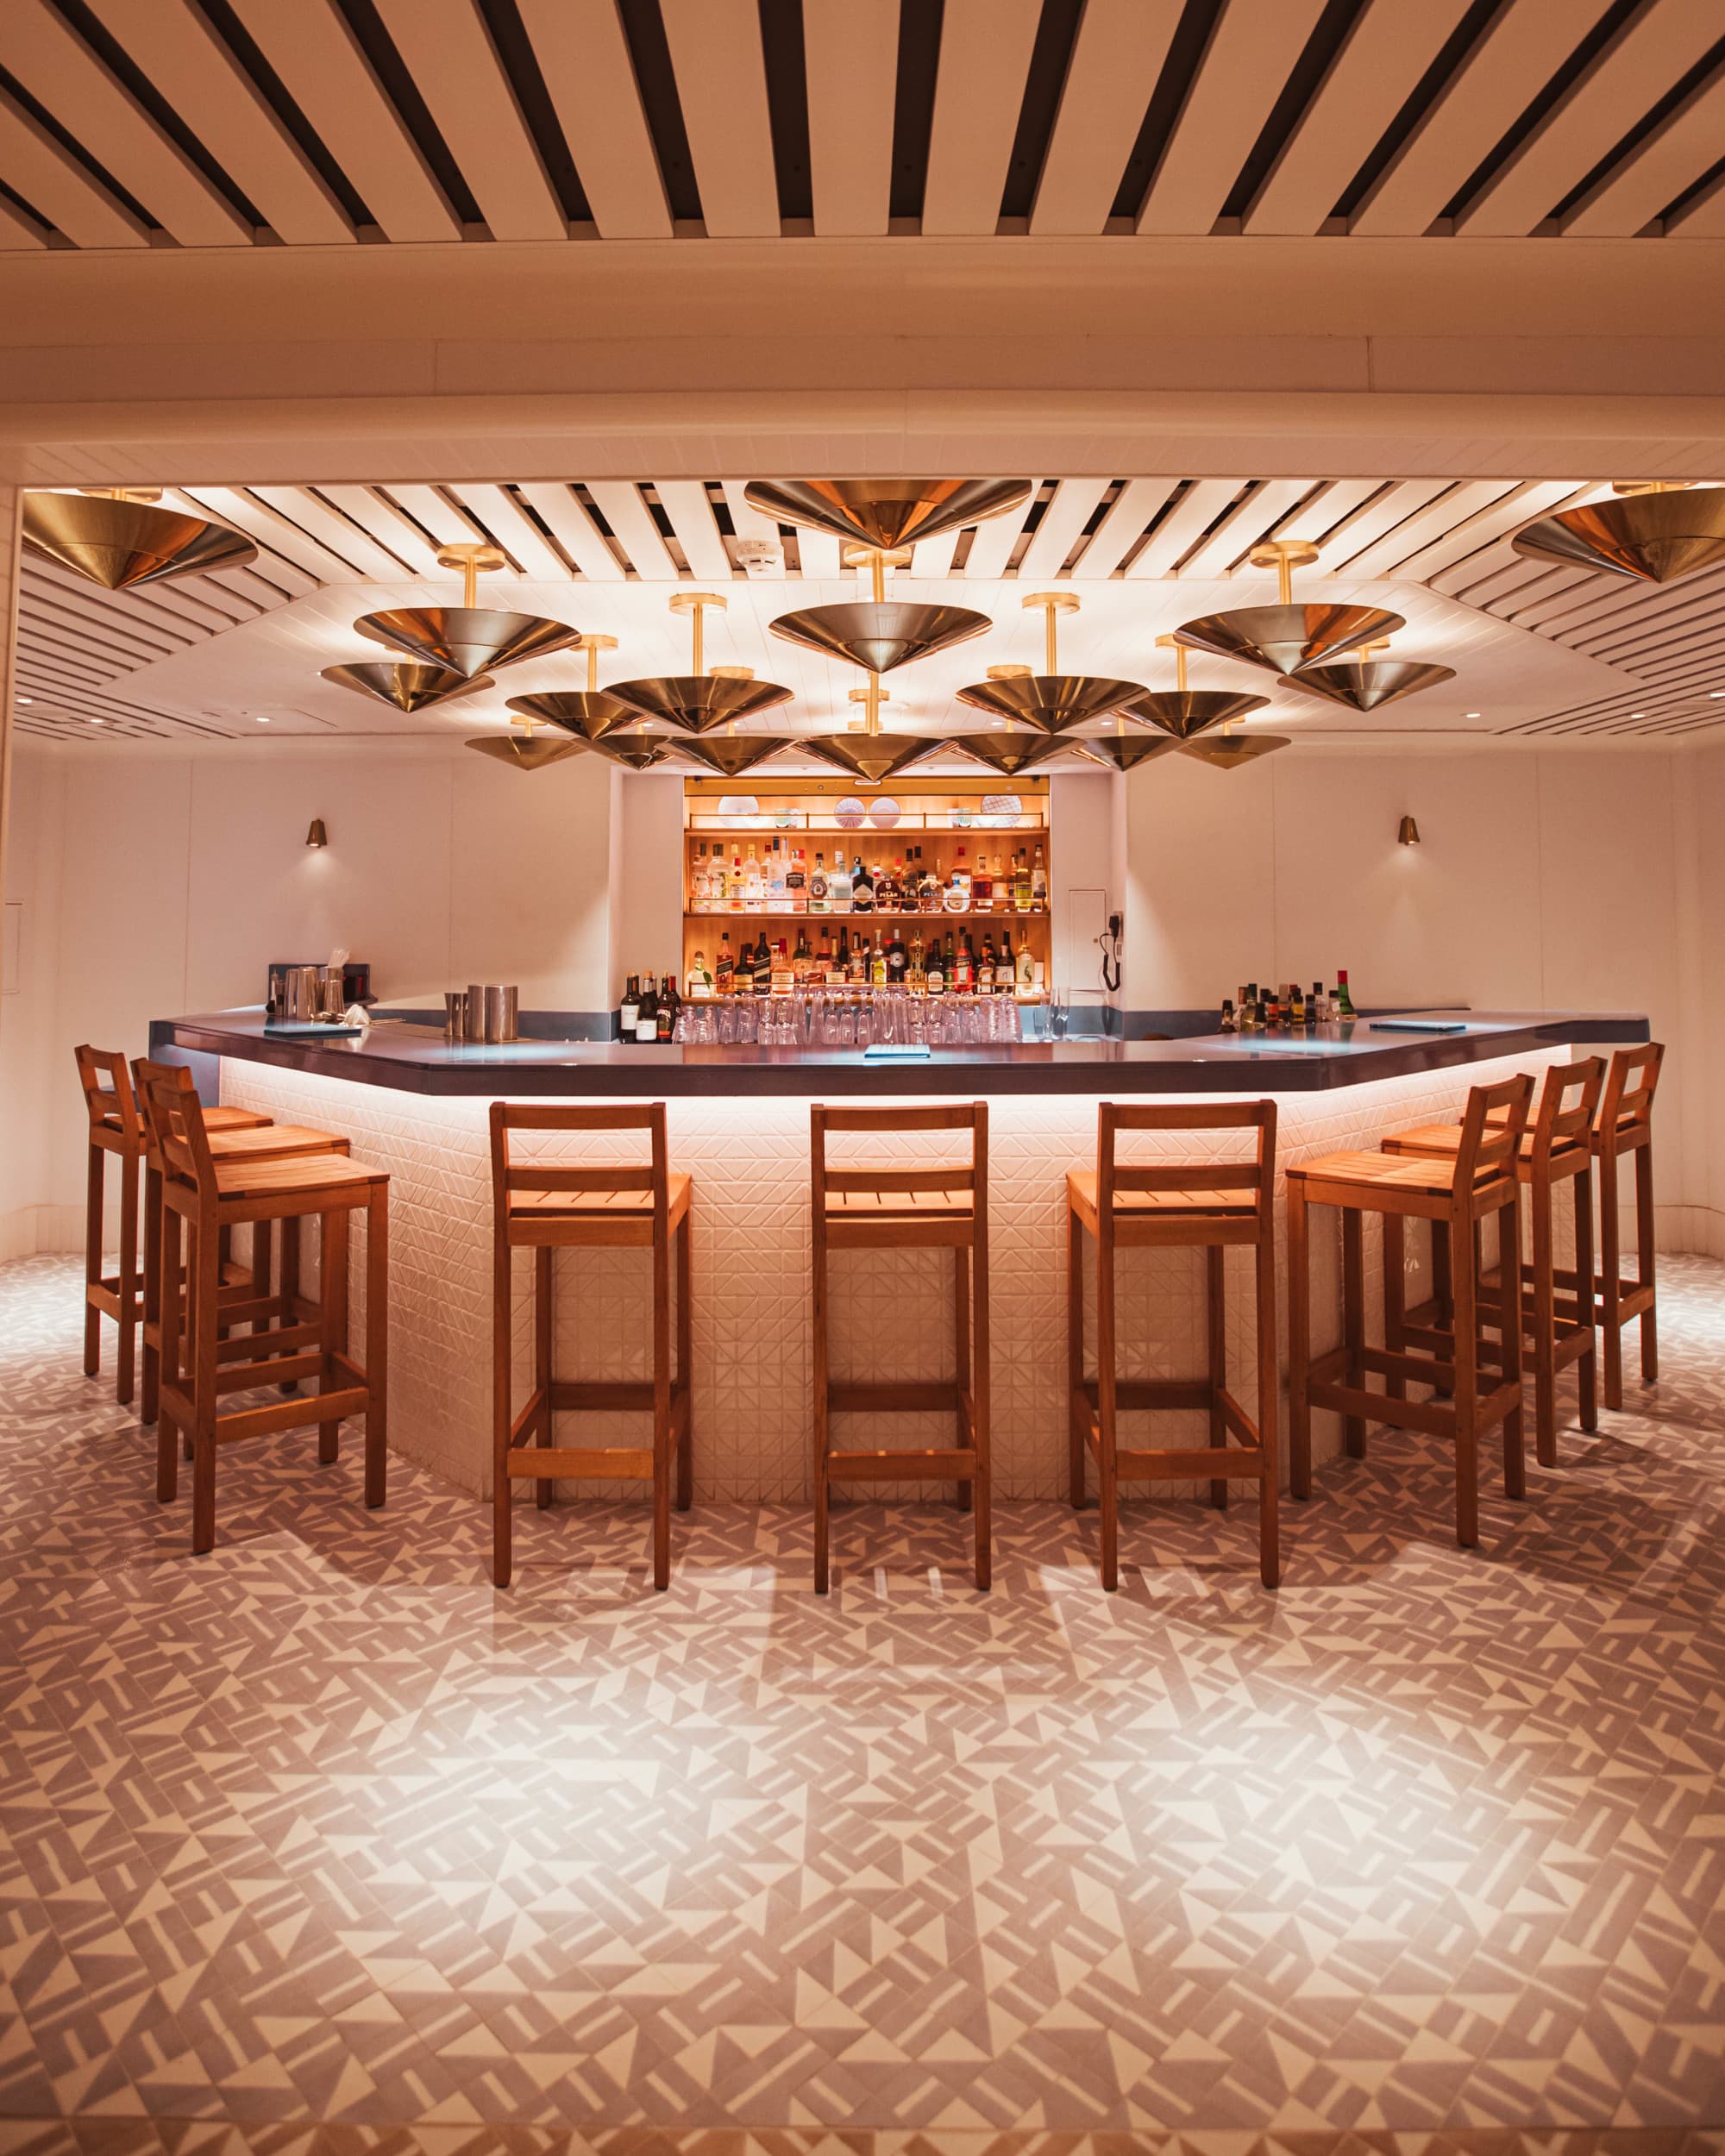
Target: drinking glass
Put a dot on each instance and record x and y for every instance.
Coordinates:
(1057, 1014)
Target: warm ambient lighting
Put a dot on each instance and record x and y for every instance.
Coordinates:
(26, 700)
(1409, 833)
(317, 836)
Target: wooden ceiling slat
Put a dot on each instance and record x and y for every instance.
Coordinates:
(1073, 504)
(686, 503)
(455, 66)
(933, 557)
(174, 45)
(1387, 51)
(233, 505)
(1653, 51)
(33, 162)
(1533, 498)
(568, 521)
(383, 520)
(1403, 541)
(620, 504)
(749, 523)
(511, 529)
(985, 50)
(1671, 160)
(99, 632)
(817, 552)
(1240, 531)
(19, 234)
(1116, 58)
(1244, 69)
(992, 547)
(60, 70)
(1704, 219)
(301, 507)
(1123, 526)
(715, 47)
(584, 58)
(1505, 71)
(445, 523)
(310, 45)
(852, 68)
(1183, 526)
(107, 609)
(1370, 524)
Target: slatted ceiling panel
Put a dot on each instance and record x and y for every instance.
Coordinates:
(513, 530)
(1637, 612)
(1245, 67)
(818, 553)
(722, 86)
(19, 234)
(1531, 607)
(992, 541)
(1387, 52)
(1471, 535)
(1323, 511)
(686, 503)
(1110, 79)
(190, 67)
(1244, 526)
(618, 501)
(373, 512)
(1704, 218)
(1482, 586)
(303, 509)
(40, 169)
(1127, 519)
(1655, 173)
(1064, 520)
(1646, 57)
(985, 50)
(1381, 515)
(1184, 525)
(1511, 62)
(314, 53)
(569, 523)
(46, 582)
(850, 54)
(72, 629)
(933, 557)
(447, 49)
(584, 58)
(1405, 540)
(234, 506)
(749, 523)
(61, 73)
(440, 519)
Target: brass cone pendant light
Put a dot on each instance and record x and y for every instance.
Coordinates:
(881, 634)
(590, 713)
(697, 702)
(1051, 701)
(1182, 711)
(1124, 752)
(731, 755)
(1011, 752)
(120, 539)
(637, 750)
(404, 683)
(1284, 637)
(871, 758)
(1363, 683)
(524, 751)
(467, 638)
(1655, 531)
(1229, 752)
(885, 513)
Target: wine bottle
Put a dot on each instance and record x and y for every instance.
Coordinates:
(646, 1017)
(1006, 973)
(669, 1002)
(629, 1009)
(763, 968)
(1021, 893)
(1038, 885)
(983, 887)
(724, 966)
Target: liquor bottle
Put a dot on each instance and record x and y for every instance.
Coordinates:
(983, 887)
(733, 884)
(1227, 1024)
(700, 979)
(763, 968)
(802, 958)
(698, 880)
(1317, 1005)
(823, 957)
(783, 978)
(935, 968)
(754, 887)
(796, 884)
(861, 888)
(916, 969)
(646, 1017)
(985, 963)
(820, 898)
(775, 877)
(1021, 884)
(1038, 885)
(877, 964)
(964, 967)
(930, 897)
(838, 884)
(670, 1004)
(1027, 968)
(1273, 1020)
(1006, 973)
(957, 900)
(1345, 1010)
(1296, 1009)
(841, 963)
(724, 966)
(629, 1009)
(898, 960)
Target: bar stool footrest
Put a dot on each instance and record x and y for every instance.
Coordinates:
(1135, 1393)
(576, 1464)
(937, 1397)
(938, 1464)
(1205, 1464)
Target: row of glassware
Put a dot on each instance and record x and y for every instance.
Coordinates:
(886, 1016)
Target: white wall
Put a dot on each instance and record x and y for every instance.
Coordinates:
(27, 1004)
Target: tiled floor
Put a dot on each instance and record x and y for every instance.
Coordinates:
(318, 1845)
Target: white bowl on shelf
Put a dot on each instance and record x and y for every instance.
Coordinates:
(884, 812)
(850, 814)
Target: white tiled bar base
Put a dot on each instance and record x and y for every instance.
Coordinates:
(749, 1157)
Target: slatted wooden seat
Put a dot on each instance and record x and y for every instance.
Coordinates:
(880, 1208)
(202, 1198)
(1209, 1205)
(117, 1131)
(1473, 1392)
(1624, 1130)
(545, 1205)
(1557, 1149)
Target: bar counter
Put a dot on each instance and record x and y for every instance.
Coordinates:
(738, 1124)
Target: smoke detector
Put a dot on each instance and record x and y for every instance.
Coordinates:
(757, 555)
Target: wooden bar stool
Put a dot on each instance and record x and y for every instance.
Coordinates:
(1188, 1205)
(876, 1208)
(1625, 1126)
(545, 1205)
(117, 1128)
(1477, 1182)
(1557, 1149)
(244, 1295)
(201, 1196)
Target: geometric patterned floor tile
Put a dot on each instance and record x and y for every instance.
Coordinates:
(317, 1846)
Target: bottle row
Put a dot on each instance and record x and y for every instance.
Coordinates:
(952, 966)
(1287, 1008)
(906, 883)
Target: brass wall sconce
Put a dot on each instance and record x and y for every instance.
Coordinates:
(1409, 834)
(317, 836)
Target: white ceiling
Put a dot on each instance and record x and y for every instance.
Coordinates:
(1537, 651)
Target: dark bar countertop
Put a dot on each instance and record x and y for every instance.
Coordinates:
(414, 1057)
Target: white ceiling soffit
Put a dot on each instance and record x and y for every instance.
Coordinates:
(1540, 649)
(318, 123)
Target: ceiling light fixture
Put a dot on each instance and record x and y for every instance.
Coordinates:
(407, 684)
(467, 638)
(1051, 701)
(1182, 711)
(1285, 638)
(590, 712)
(1656, 530)
(1363, 683)
(119, 538)
(884, 513)
(697, 702)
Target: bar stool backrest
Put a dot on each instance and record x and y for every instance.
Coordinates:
(173, 1117)
(108, 1094)
(1254, 1177)
(1491, 1130)
(1628, 1102)
(1568, 1101)
(509, 1171)
(971, 1175)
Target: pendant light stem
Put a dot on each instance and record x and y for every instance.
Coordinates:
(593, 669)
(873, 714)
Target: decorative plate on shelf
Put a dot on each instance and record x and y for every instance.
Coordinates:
(1001, 811)
(884, 812)
(735, 806)
(850, 814)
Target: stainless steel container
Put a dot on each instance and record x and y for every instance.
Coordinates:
(454, 1015)
(301, 986)
(476, 1011)
(502, 1010)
